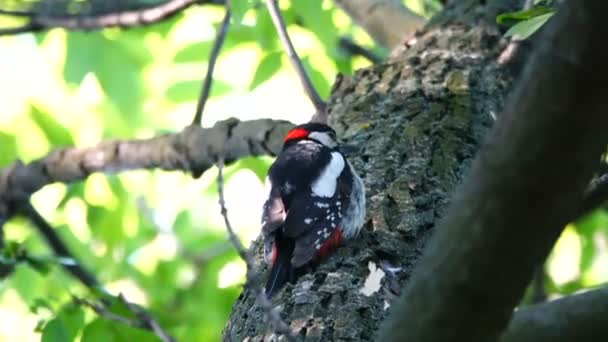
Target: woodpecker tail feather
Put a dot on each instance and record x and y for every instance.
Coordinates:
(282, 271)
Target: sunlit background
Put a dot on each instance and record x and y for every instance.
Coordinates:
(158, 237)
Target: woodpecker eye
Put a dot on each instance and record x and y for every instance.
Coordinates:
(333, 135)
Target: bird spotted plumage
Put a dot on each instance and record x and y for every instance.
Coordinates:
(315, 200)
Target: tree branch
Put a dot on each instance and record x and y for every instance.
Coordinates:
(354, 49)
(147, 320)
(215, 51)
(524, 187)
(252, 278)
(144, 319)
(29, 27)
(579, 317)
(58, 246)
(195, 149)
(122, 18)
(596, 195)
(102, 311)
(388, 22)
(279, 24)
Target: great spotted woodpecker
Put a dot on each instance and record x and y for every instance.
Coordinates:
(315, 199)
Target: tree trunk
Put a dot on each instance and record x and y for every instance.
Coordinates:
(418, 119)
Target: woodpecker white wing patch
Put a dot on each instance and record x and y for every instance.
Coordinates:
(325, 185)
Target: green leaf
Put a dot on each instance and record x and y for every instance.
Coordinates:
(526, 28)
(39, 328)
(523, 15)
(193, 53)
(320, 22)
(238, 8)
(259, 165)
(117, 66)
(240, 34)
(54, 132)
(102, 330)
(40, 266)
(265, 32)
(189, 90)
(39, 303)
(9, 148)
(268, 67)
(97, 331)
(65, 326)
(586, 227)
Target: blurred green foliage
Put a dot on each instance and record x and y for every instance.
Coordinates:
(154, 236)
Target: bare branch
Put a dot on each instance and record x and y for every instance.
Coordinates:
(58, 246)
(273, 316)
(525, 182)
(295, 60)
(144, 319)
(215, 51)
(388, 22)
(195, 149)
(125, 19)
(147, 320)
(29, 27)
(579, 317)
(102, 311)
(231, 234)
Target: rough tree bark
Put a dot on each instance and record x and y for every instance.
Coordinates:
(418, 119)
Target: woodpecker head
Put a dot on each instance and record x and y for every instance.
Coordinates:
(317, 132)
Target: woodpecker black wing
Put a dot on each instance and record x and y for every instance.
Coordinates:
(315, 218)
(273, 217)
(274, 212)
(309, 190)
(314, 224)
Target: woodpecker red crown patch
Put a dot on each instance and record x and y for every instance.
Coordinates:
(296, 133)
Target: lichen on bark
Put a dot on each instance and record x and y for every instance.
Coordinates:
(418, 119)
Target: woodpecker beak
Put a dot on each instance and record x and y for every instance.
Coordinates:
(348, 149)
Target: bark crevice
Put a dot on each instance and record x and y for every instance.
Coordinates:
(418, 119)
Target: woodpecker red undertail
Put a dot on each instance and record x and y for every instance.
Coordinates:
(315, 200)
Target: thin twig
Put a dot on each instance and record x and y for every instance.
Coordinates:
(296, 62)
(29, 27)
(274, 317)
(102, 311)
(147, 320)
(539, 294)
(215, 51)
(596, 195)
(192, 150)
(209, 253)
(58, 246)
(355, 49)
(144, 319)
